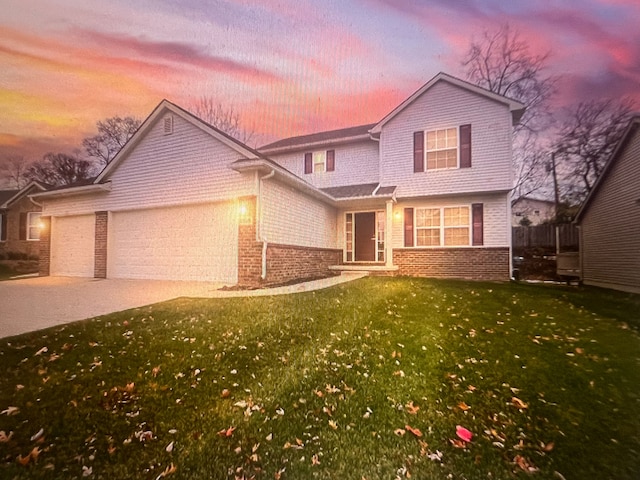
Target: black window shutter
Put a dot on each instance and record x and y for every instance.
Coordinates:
(418, 152)
(478, 223)
(308, 162)
(23, 226)
(408, 227)
(3, 227)
(331, 160)
(465, 146)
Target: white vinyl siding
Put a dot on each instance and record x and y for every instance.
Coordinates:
(192, 243)
(292, 218)
(72, 246)
(609, 228)
(187, 167)
(355, 163)
(440, 107)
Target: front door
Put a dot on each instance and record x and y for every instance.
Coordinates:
(365, 236)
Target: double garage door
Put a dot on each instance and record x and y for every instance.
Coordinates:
(197, 242)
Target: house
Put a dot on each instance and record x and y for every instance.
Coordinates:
(19, 221)
(424, 191)
(609, 219)
(536, 210)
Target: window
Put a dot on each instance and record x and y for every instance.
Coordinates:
(449, 226)
(442, 148)
(33, 226)
(321, 161)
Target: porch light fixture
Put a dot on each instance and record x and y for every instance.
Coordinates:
(397, 215)
(242, 210)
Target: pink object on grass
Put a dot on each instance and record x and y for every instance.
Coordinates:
(463, 433)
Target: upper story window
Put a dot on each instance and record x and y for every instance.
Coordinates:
(442, 148)
(320, 161)
(33, 226)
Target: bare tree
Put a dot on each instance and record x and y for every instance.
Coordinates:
(59, 169)
(13, 171)
(113, 133)
(501, 62)
(586, 140)
(223, 118)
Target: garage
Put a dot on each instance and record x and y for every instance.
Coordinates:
(192, 243)
(72, 246)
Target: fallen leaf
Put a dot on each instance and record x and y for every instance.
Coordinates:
(225, 393)
(226, 432)
(399, 373)
(525, 464)
(399, 432)
(516, 402)
(463, 433)
(457, 443)
(169, 448)
(35, 453)
(415, 431)
(315, 460)
(333, 424)
(41, 351)
(37, 435)
(111, 449)
(10, 411)
(548, 447)
(4, 438)
(411, 408)
(463, 406)
(167, 471)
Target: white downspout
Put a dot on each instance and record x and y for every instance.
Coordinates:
(261, 236)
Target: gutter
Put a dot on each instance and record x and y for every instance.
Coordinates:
(67, 192)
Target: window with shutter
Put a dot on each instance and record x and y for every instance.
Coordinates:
(308, 162)
(418, 152)
(478, 223)
(442, 149)
(331, 160)
(3, 227)
(465, 146)
(408, 227)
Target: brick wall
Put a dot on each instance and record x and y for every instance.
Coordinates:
(100, 252)
(44, 260)
(469, 263)
(290, 262)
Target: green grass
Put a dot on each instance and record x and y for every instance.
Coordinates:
(322, 385)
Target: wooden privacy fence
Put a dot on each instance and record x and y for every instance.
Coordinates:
(544, 237)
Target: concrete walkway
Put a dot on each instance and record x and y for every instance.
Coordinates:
(35, 303)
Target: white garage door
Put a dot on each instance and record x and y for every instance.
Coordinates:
(72, 246)
(197, 242)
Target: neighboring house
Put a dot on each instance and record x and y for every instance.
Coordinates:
(425, 191)
(535, 209)
(609, 219)
(20, 221)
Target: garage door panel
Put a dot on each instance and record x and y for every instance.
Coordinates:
(72, 246)
(197, 242)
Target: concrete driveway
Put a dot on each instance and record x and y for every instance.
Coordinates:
(35, 303)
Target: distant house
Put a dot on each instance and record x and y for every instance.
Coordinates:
(609, 219)
(20, 220)
(535, 209)
(424, 191)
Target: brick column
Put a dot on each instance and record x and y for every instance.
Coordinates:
(100, 252)
(249, 249)
(44, 261)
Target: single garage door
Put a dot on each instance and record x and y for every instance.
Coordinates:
(196, 242)
(72, 246)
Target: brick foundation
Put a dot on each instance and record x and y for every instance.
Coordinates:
(44, 256)
(468, 263)
(100, 251)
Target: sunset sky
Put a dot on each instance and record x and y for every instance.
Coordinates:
(288, 66)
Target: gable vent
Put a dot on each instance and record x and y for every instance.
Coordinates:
(168, 125)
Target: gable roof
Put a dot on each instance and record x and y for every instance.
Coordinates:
(7, 197)
(166, 106)
(326, 138)
(632, 128)
(516, 108)
(531, 199)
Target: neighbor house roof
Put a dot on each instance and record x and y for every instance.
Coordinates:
(329, 137)
(516, 108)
(6, 199)
(531, 199)
(631, 130)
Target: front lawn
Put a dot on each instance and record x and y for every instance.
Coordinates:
(378, 378)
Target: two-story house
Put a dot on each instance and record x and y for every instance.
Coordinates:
(425, 191)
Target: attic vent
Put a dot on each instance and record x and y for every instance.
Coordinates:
(168, 125)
